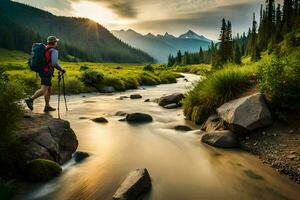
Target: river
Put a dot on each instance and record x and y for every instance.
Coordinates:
(180, 166)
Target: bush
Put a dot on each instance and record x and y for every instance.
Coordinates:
(148, 68)
(84, 67)
(117, 83)
(218, 88)
(10, 107)
(73, 86)
(147, 78)
(131, 83)
(42, 170)
(92, 78)
(167, 77)
(279, 80)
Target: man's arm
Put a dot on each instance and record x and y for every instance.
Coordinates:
(54, 60)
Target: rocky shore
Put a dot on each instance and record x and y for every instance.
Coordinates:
(278, 146)
(247, 123)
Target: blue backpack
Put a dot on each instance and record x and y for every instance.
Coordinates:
(37, 60)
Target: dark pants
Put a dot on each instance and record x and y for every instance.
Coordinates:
(46, 78)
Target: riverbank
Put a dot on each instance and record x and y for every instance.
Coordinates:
(278, 146)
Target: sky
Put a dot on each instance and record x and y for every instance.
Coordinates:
(158, 16)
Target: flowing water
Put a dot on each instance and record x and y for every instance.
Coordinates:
(180, 166)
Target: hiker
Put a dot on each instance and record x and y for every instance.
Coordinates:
(46, 73)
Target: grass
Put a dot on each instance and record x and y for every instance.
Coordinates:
(200, 69)
(119, 76)
(216, 89)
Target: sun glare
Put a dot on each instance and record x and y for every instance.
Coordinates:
(93, 11)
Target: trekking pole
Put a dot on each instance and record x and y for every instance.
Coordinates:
(58, 98)
(64, 90)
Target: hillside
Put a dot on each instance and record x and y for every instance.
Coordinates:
(161, 46)
(92, 38)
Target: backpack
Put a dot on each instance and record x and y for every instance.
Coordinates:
(37, 60)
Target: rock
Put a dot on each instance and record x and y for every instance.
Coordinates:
(122, 97)
(138, 118)
(42, 170)
(122, 120)
(213, 123)
(291, 157)
(222, 139)
(136, 184)
(173, 106)
(182, 128)
(291, 131)
(107, 89)
(42, 136)
(121, 113)
(186, 80)
(147, 100)
(170, 99)
(83, 118)
(246, 114)
(80, 156)
(136, 96)
(100, 120)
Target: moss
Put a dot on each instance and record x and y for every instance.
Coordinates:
(42, 170)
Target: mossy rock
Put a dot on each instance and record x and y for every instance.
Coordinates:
(42, 170)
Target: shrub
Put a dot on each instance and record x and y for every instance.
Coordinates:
(167, 77)
(117, 83)
(42, 170)
(147, 78)
(84, 67)
(218, 88)
(73, 86)
(10, 108)
(92, 78)
(279, 80)
(148, 68)
(131, 83)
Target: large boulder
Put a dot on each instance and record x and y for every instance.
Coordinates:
(222, 139)
(42, 170)
(170, 99)
(42, 136)
(136, 184)
(245, 114)
(138, 118)
(213, 123)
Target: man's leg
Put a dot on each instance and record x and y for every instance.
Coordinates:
(37, 94)
(47, 97)
(40, 92)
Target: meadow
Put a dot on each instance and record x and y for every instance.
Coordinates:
(79, 75)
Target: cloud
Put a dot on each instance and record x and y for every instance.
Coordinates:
(123, 8)
(205, 22)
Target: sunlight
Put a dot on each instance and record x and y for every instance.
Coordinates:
(93, 11)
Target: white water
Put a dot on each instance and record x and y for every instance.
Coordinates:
(180, 166)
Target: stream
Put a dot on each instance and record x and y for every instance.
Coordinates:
(180, 166)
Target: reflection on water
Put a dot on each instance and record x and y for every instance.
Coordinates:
(180, 166)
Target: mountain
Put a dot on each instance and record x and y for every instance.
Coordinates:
(161, 46)
(88, 36)
(192, 35)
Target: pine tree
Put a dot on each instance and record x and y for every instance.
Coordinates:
(278, 36)
(237, 55)
(201, 56)
(179, 58)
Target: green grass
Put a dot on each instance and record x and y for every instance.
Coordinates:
(200, 69)
(216, 89)
(119, 76)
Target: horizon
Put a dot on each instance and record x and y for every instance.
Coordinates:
(201, 16)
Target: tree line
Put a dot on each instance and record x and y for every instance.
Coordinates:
(274, 23)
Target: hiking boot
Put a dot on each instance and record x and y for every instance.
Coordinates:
(29, 103)
(49, 109)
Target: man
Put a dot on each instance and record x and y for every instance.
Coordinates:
(46, 75)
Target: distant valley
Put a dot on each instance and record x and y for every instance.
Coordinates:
(161, 46)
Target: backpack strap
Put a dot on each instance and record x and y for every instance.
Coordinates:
(48, 58)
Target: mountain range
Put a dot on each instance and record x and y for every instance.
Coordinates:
(161, 46)
(83, 35)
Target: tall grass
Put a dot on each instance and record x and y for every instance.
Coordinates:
(216, 89)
